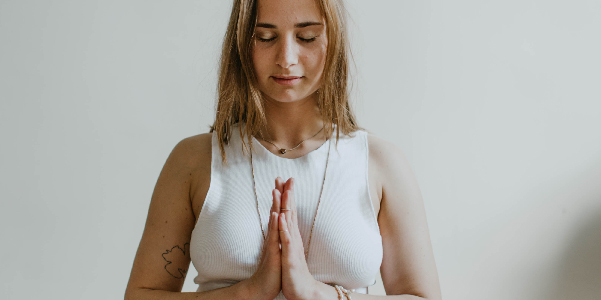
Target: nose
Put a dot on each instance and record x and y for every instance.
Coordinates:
(287, 54)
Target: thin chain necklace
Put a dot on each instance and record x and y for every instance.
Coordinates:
(319, 201)
(283, 150)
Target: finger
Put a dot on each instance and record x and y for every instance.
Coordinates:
(288, 197)
(275, 205)
(272, 203)
(277, 200)
(294, 210)
(269, 223)
(279, 184)
(288, 213)
(269, 238)
(285, 239)
(287, 183)
(274, 236)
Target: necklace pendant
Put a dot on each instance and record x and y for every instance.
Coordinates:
(283, 151)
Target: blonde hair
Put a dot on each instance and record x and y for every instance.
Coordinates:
(239, 99)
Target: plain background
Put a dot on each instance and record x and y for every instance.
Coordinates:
(495, 104)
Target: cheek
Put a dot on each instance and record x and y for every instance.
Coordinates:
(322, 56)
(316, 59)
(259, 63)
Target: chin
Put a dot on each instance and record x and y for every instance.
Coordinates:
(287, 96)
(284, 97)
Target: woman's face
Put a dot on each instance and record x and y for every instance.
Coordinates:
(289, 49)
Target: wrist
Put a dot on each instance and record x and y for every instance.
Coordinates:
(324, 291)
(247, 292)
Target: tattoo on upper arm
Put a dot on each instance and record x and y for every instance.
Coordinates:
(177, 254)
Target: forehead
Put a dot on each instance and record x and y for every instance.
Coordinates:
(288, 12)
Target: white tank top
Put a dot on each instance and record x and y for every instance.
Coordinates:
(346, 246)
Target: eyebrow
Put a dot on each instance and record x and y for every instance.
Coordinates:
(297, 25)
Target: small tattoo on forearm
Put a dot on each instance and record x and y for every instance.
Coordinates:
(176, 254)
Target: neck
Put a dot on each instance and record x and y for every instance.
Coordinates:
(289, 123)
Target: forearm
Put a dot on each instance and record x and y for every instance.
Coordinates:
(236, 291)
(328, 292)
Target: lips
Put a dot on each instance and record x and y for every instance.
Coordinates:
(286, 77)
(286, 80)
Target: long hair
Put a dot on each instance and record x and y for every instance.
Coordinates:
(239, 99)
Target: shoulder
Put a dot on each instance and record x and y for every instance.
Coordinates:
(386, 155)
(200, 143)
(193, 150)
(380, 146)
(196, 151)
(403, 225)
(391, 167)
(192, 156)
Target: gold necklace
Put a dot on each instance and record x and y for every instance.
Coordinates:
(318, 202)
(283, 150)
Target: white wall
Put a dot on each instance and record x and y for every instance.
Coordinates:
(495, 103)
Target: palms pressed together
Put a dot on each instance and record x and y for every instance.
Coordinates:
(297, 281)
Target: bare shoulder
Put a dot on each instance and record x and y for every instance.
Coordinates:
(170, 220)
(194, 153)
(383, 150)
(198, 147)
(389, 160)
(199, 153)
(381, 154)
(408, 265)
(193, 156)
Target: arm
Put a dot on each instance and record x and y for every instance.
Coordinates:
(324, 291)
(163, 257)
(236, 291)
(408, 267)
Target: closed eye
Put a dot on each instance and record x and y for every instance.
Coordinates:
(266, 40)
(307, 40)
(273, 38)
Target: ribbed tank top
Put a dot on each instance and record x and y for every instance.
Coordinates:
(346, 246)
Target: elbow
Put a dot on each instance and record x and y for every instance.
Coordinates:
(133, 294)
(433, 296)
(129, 294)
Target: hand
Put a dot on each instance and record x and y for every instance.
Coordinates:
(266, 282)
(297, 281)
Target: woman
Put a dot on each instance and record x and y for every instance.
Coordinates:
(346, 210)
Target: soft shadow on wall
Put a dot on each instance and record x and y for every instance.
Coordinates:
(549, 244)
(576, 268)
(579, 268)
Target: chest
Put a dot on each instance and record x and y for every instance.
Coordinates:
(344, 245)
(202, 178)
